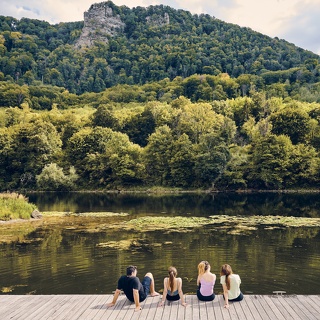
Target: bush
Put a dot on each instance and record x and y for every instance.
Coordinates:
(52, 178)
(15, 206)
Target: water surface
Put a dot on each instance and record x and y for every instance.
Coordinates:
(67, 260)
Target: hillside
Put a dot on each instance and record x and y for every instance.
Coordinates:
(118, 45)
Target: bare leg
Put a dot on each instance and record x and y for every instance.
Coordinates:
(153, 292)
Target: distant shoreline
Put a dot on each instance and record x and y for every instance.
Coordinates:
(172, 191)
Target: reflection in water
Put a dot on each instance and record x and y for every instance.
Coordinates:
(302, 205)
(66, 258)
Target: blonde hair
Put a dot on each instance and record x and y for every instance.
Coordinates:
(172, 275)
(226, 271)
(203, 267)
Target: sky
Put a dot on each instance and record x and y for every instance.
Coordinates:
(297, 21)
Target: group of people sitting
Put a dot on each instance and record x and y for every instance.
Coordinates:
(137, 291)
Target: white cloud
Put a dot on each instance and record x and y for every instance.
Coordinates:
(296, 21)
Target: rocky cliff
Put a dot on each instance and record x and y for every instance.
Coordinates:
(101, 23)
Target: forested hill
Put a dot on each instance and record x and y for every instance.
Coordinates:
(118, 45)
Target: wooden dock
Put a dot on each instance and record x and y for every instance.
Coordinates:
(89, 307)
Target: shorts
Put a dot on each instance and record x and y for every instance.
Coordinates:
(176, 297)
(205, 298)
(239, 298)
(146, 283)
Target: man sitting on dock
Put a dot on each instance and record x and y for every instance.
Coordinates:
(133, 288)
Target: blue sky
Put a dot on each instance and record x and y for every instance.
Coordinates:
(297, 21)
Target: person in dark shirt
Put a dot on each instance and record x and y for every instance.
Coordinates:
(134, 290)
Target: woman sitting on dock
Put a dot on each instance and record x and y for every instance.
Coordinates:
(231, 285)
(205, 282)
(172, 287)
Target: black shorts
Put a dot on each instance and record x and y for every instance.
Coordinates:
(176, 297)
(205, 298)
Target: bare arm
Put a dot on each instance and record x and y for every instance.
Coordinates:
(115, 297)
(165, 291)
(225, 294)
(136, 299)
(198, 280)
(180, 292)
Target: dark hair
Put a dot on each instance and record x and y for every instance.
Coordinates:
(131, 270)
(172, 275)
(226, 271)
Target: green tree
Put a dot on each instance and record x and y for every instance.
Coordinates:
(269, 162)
(212, 156)
(52, 178)
(182, 162)
(34, 145)
(292, 122)
(157, 154)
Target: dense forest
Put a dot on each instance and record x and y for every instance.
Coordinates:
(196, 103)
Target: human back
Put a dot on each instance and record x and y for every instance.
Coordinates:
(205, 281)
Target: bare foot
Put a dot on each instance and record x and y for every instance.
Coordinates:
(154, 294)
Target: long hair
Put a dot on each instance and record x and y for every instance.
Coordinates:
(226, 271)
(172, 275)
(203, 267)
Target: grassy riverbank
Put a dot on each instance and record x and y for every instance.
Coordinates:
(15, 206)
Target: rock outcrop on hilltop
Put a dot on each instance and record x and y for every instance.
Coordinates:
(100, 22)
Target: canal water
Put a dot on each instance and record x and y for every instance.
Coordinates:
(67, 256)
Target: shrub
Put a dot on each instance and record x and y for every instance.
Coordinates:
(15, 206)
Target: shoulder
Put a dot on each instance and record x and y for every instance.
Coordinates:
(122, 278)
(212, 275)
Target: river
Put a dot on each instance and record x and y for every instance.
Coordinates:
(67, 258)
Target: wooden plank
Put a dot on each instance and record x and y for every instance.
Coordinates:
(195, 308)
(253, 309)
(300, 308)
(260, 305)
(41, 310)
(315, 299)
(278, 304)
(101, 308)
(202, 310)
(9, 305)
(313, 303)
(210, 310)
(72, 307)
(174, 310)
(136, 314)
(232, 310)
(224, 311)
(188, 309)
(166, 309)
(181, 310)
(68, 305)
(239, 310)
(86, 307)
(158, 310)
(288, 308)
(30, 306)
(146, 308)
(111, 313)
(150, 308)
(216, 307)
(274, 308)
